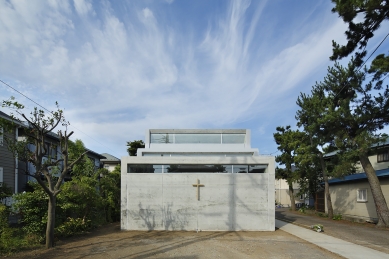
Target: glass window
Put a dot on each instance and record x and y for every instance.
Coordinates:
(257, 169)
(197, 138)
(228, 168)
(144, 168)
(383, 157)
(1, 136)
(194, 169)
(233, 138)
(198, 168)
(163, 138)
(240, 169)
(362, 195)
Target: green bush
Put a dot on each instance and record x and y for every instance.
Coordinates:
(303, 208)
(73, 227)
(12, 239)
(337, 217)
(32, 207)
(321, 214)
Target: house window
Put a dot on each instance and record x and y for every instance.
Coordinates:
(1, 176)
(383, 157)
(362, 195)
(1, 136)
(51, 150)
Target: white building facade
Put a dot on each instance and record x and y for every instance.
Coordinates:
(198, 180)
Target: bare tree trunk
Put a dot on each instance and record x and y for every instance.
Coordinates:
(326, 188)
(50, 221)
(291, 195)
(375, 186)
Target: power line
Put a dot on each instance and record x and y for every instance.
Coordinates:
(51, 112)
(24, 95)
(365, 61)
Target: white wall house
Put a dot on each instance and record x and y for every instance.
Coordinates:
(351, 196)
(197, 180)
(282, 196)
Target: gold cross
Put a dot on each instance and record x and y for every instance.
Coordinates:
(198, 185)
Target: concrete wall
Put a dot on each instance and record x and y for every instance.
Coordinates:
(227, 202)
(344, 199)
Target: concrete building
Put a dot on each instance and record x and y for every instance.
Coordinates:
(198, 180)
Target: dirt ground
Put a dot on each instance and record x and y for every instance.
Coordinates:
(110, 242)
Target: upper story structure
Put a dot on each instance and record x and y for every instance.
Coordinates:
(198, 142)
(196, 151)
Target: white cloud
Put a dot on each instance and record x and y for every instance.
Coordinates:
(82, 7)
(118, 74)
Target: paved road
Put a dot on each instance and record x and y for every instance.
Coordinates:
(362, 234)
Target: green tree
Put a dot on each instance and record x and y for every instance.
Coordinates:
(360, 31)
(51, 172)
(287, 141)
(133, 146)
(84, 166)
(109, 186)
(353, 116)
(310, 117)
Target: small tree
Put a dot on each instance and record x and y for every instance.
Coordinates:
(51, 172)
(133, 146)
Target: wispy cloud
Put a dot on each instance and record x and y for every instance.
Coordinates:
(118, 72)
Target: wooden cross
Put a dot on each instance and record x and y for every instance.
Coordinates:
(198, 185)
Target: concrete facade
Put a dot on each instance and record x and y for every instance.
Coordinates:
(226, 201)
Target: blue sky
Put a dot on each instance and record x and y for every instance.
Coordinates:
(118, 68)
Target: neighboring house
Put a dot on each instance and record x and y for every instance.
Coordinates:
(282, 194)
(109, 162)
(95, 158)
(15, 172)
(351, 196)
(8, 164)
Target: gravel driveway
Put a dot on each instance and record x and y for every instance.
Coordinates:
(110, 242)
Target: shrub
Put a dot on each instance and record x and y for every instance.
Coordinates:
(32, 207)
(321, 214)
(11, 239)
(337, 217)
(73, 227)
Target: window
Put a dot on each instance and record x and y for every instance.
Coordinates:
(362, 195)
(197, 168)
(383, 157)
(1, 136)
(1, 176)
(51, 150)
(197, 138)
